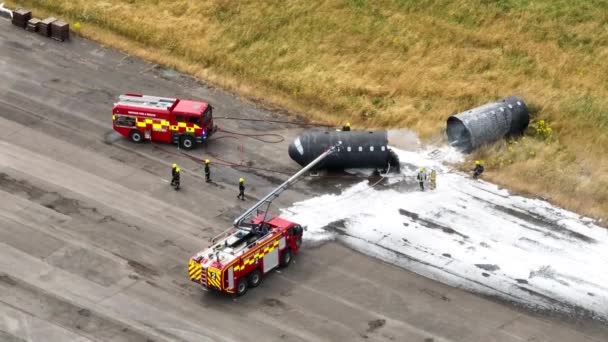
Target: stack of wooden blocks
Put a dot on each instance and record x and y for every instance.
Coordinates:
(32, 25)
(21, 17)
(60, 30)
(44, 27)
(49, 27)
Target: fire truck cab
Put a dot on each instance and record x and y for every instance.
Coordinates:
(239, 258)
(163, 119)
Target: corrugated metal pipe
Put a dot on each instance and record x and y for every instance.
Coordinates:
(485, 124)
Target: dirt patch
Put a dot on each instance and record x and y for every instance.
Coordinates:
(48, 199)
(166, 243)
(84, 312)
(5, 278)
(66, 206)
(274, 303)
(4, 336)
(57, 202)
(142, 269)
(437, 295)
(375, 324)
(110, 218)
(488, 267)
(18, 45)
(16, 187)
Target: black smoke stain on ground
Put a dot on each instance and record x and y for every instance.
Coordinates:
(338, 227)
(488, 267)
(539, 221)
(430, 224)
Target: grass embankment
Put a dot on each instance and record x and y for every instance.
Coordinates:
(401, 63)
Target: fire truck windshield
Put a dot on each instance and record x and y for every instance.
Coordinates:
(207, 115)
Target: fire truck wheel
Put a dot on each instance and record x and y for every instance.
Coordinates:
(241, 287)
(136, 136)
(187, 142)
(255, 278)
(286, 258)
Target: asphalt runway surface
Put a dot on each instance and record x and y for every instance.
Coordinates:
(94, 243)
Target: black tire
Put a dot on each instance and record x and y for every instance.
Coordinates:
(241, 287)
(187, 142)
(136, 136)
(286, 258)
(255, 278)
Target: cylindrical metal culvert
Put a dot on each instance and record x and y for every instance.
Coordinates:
(481, 125)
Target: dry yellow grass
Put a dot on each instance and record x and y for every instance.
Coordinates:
(400, 63)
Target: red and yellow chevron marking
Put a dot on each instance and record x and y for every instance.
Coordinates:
(195, 270)
(214, 277)
(186, 127)
(251, 260)
(155, 124)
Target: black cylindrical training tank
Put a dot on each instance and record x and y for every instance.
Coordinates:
(506, 117)
(360, 149)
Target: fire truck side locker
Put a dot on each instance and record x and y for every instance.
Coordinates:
(231, 278)
(271, 260)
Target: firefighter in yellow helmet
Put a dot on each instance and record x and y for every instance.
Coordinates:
(346, 127)
(207, 171)
(421, 178)
(173, 171)
(241, 194)
(478, 170)
(175, 182)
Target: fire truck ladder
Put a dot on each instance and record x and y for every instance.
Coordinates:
(277, 191)
(146, 101)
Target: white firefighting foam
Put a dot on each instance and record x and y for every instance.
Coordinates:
(468, 234)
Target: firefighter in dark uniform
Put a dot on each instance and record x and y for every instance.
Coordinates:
(173, 172)
(175, 180)
(346, 127)
(207, 171)
(421, 178)
(241, 189)
(478, 170)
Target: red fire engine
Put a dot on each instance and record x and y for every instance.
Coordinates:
(163, 119)
(240, 256)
